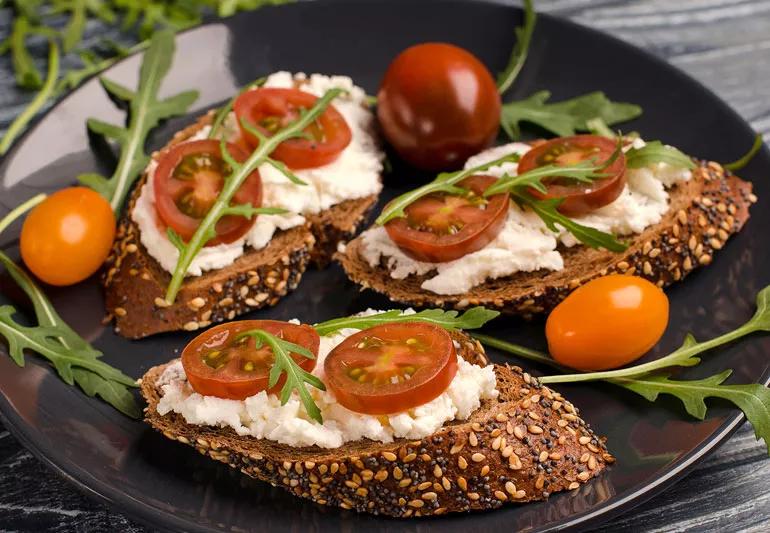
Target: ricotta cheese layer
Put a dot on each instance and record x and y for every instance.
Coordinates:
(354, 174)
(525, 244)
(263, 417)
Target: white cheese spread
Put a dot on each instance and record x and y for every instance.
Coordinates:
(525, 244)
(354, 174)
(263, 417)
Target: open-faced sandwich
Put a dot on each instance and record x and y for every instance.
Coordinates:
(527, 223)
(317, 189)
(402, 417)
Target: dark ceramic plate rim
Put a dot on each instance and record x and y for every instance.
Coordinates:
(146, 514)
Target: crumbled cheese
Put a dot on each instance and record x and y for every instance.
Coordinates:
(525, 244)
(354, 174)
(262, 416)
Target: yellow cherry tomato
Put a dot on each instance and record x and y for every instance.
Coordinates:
(68, 236)
(607, 323)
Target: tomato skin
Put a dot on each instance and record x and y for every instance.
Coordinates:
(432, 357)
(270, 103)
(579, 198)
(479, 227)
(168, 189)
(68, 236)
(231, 381)
(607, 323)
(438, 105)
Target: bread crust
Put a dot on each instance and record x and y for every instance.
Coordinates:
(703, 213)
(135, 284)
(524, 446)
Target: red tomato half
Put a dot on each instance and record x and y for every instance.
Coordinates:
(579, 197)
(438, 105)
(391, 368)
(187, 182)
(271, 109)
(443, 227)
(218, 363)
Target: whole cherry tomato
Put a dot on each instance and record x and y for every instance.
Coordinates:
(68, 236)
(438, 105)
(607, 323)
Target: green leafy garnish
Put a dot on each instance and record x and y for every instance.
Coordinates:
(27, 74)
(444, 182)
(746, 159)
(650, 379)
(597, 126)
(296, 376)
(520, 50)
(145, 112)
(473, 318)
(566, 117)
(657, 152)
(223, 111)
(240, 171)
(75, 360)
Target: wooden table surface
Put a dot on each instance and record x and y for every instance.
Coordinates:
(723, 43)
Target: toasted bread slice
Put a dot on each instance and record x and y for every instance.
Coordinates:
(523, 446)
(135, 284)
(703, 213)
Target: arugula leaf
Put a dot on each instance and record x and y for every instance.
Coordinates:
(145, 112)
(473, 318)
(746, 159)
(73, 33)
(657, 152)
(520, 50)
(27, 74)
(548, 212)
(753, 399)
(240, 171)
(76, 361)
(37, 103)
(223, 111)
(566, 117)
(444, 182)
(296, 376)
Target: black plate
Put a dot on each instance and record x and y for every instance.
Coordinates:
(168, 485)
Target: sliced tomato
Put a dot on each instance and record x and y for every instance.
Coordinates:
(219, 363)
(443, 227)
(187, 182)
(579, 197)
(391, 368)
(270, 109)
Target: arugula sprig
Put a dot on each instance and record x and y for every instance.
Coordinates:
(296, 376)
(75, 360)
(222, 112)
(473, 318)
(240, 171)
(657, 152)
(746, 158)
(145, 112)
(520, 50)
(653, 379)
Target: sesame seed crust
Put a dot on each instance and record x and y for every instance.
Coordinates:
(135, 284)
(441, 473)
(703, 214)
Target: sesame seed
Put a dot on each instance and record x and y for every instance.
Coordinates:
(692, 243)
(160, 302)
(655, 252)
(540, 482)
(752, 198)
(520, 494)
(397, 473)
(592, 463)
(647, 247)
(416, 503)
(543, 456)
(462, 463)
(723, 235)
(705, 259)
(593, 448)
(425, 485)
(537, 430)
(251, 302)
(519, 432)
(472, 440)
(496, 443)
(623, 266)
(119, 311)
(430, 496)
(500, 495)
(225, 302)
(405, 482)
(573, 485)
(217, 287)
(382, 475)
(190, 326)
(390, 456)
(687, 263)
(131, 248)
(456, 448)
(584, 440)
(583, 476)
(507, 451)
(702, 221)
(501, 417)
(196, 303)
(585, 457)
(437, 472)
(554, 456)
(410, 457)
(474, 496)
(462, 483)
(681, 216)
(716, 244)
(510, 487)
(484, 470)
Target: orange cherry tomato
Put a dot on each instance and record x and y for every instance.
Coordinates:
(391, 368)
(68, 236)
(219, 363)
(607, 323)
(438, 105)
(443, 227)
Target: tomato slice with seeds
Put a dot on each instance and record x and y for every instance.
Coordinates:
(443, 227)
(579, 197)
(391, 368)
(219, 363)
(270, 109)
(187, 182)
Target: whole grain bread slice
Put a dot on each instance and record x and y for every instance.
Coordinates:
(527, 444)
(135, 284)
(703, 213)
